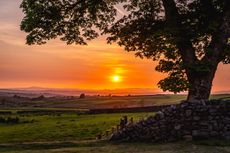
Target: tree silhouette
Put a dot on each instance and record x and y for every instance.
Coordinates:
(189, 38)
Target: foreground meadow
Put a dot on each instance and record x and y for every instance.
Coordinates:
(59, 127)
(73, 132)
(76, 133)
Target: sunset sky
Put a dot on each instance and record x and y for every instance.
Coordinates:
(56, 65)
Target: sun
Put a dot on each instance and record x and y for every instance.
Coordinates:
(116, 78)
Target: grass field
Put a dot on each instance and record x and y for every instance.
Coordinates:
(69, 132)
(72, 133)
(60, 127)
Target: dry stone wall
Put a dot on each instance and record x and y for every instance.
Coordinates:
(182, 121)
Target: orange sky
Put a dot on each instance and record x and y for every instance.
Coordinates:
(57, 65)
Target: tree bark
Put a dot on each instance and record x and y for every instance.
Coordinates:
(201, 85)
(200, 90)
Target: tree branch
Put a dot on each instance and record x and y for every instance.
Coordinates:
(220, 38)
(225, 28)
(171, 12)
(173, 20)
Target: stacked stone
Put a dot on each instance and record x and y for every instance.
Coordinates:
(183, 121)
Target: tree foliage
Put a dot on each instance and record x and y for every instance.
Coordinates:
(188, 37)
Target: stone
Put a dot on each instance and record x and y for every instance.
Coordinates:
(188, 137)
(200, 134)
(188, 113)
(214, 133)
(177, 127)
(186, 121)
(196, 118)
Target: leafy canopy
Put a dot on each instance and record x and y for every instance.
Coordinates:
(165, 30)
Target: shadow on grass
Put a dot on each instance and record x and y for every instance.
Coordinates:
(213, 142)
(46, 146)
(179, 145)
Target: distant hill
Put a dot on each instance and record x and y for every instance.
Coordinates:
(34, 91)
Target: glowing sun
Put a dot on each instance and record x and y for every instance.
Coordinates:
(116, 78)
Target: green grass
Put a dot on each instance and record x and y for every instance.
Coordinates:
(64, 127)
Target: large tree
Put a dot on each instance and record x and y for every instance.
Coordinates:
(189, 38)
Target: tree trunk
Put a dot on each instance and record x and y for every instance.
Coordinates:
(200, 86)
(199, 90)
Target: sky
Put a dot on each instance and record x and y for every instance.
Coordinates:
(57, 65)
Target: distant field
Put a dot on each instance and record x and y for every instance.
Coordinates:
(121, 101)
(221, 96)
(96, 102)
